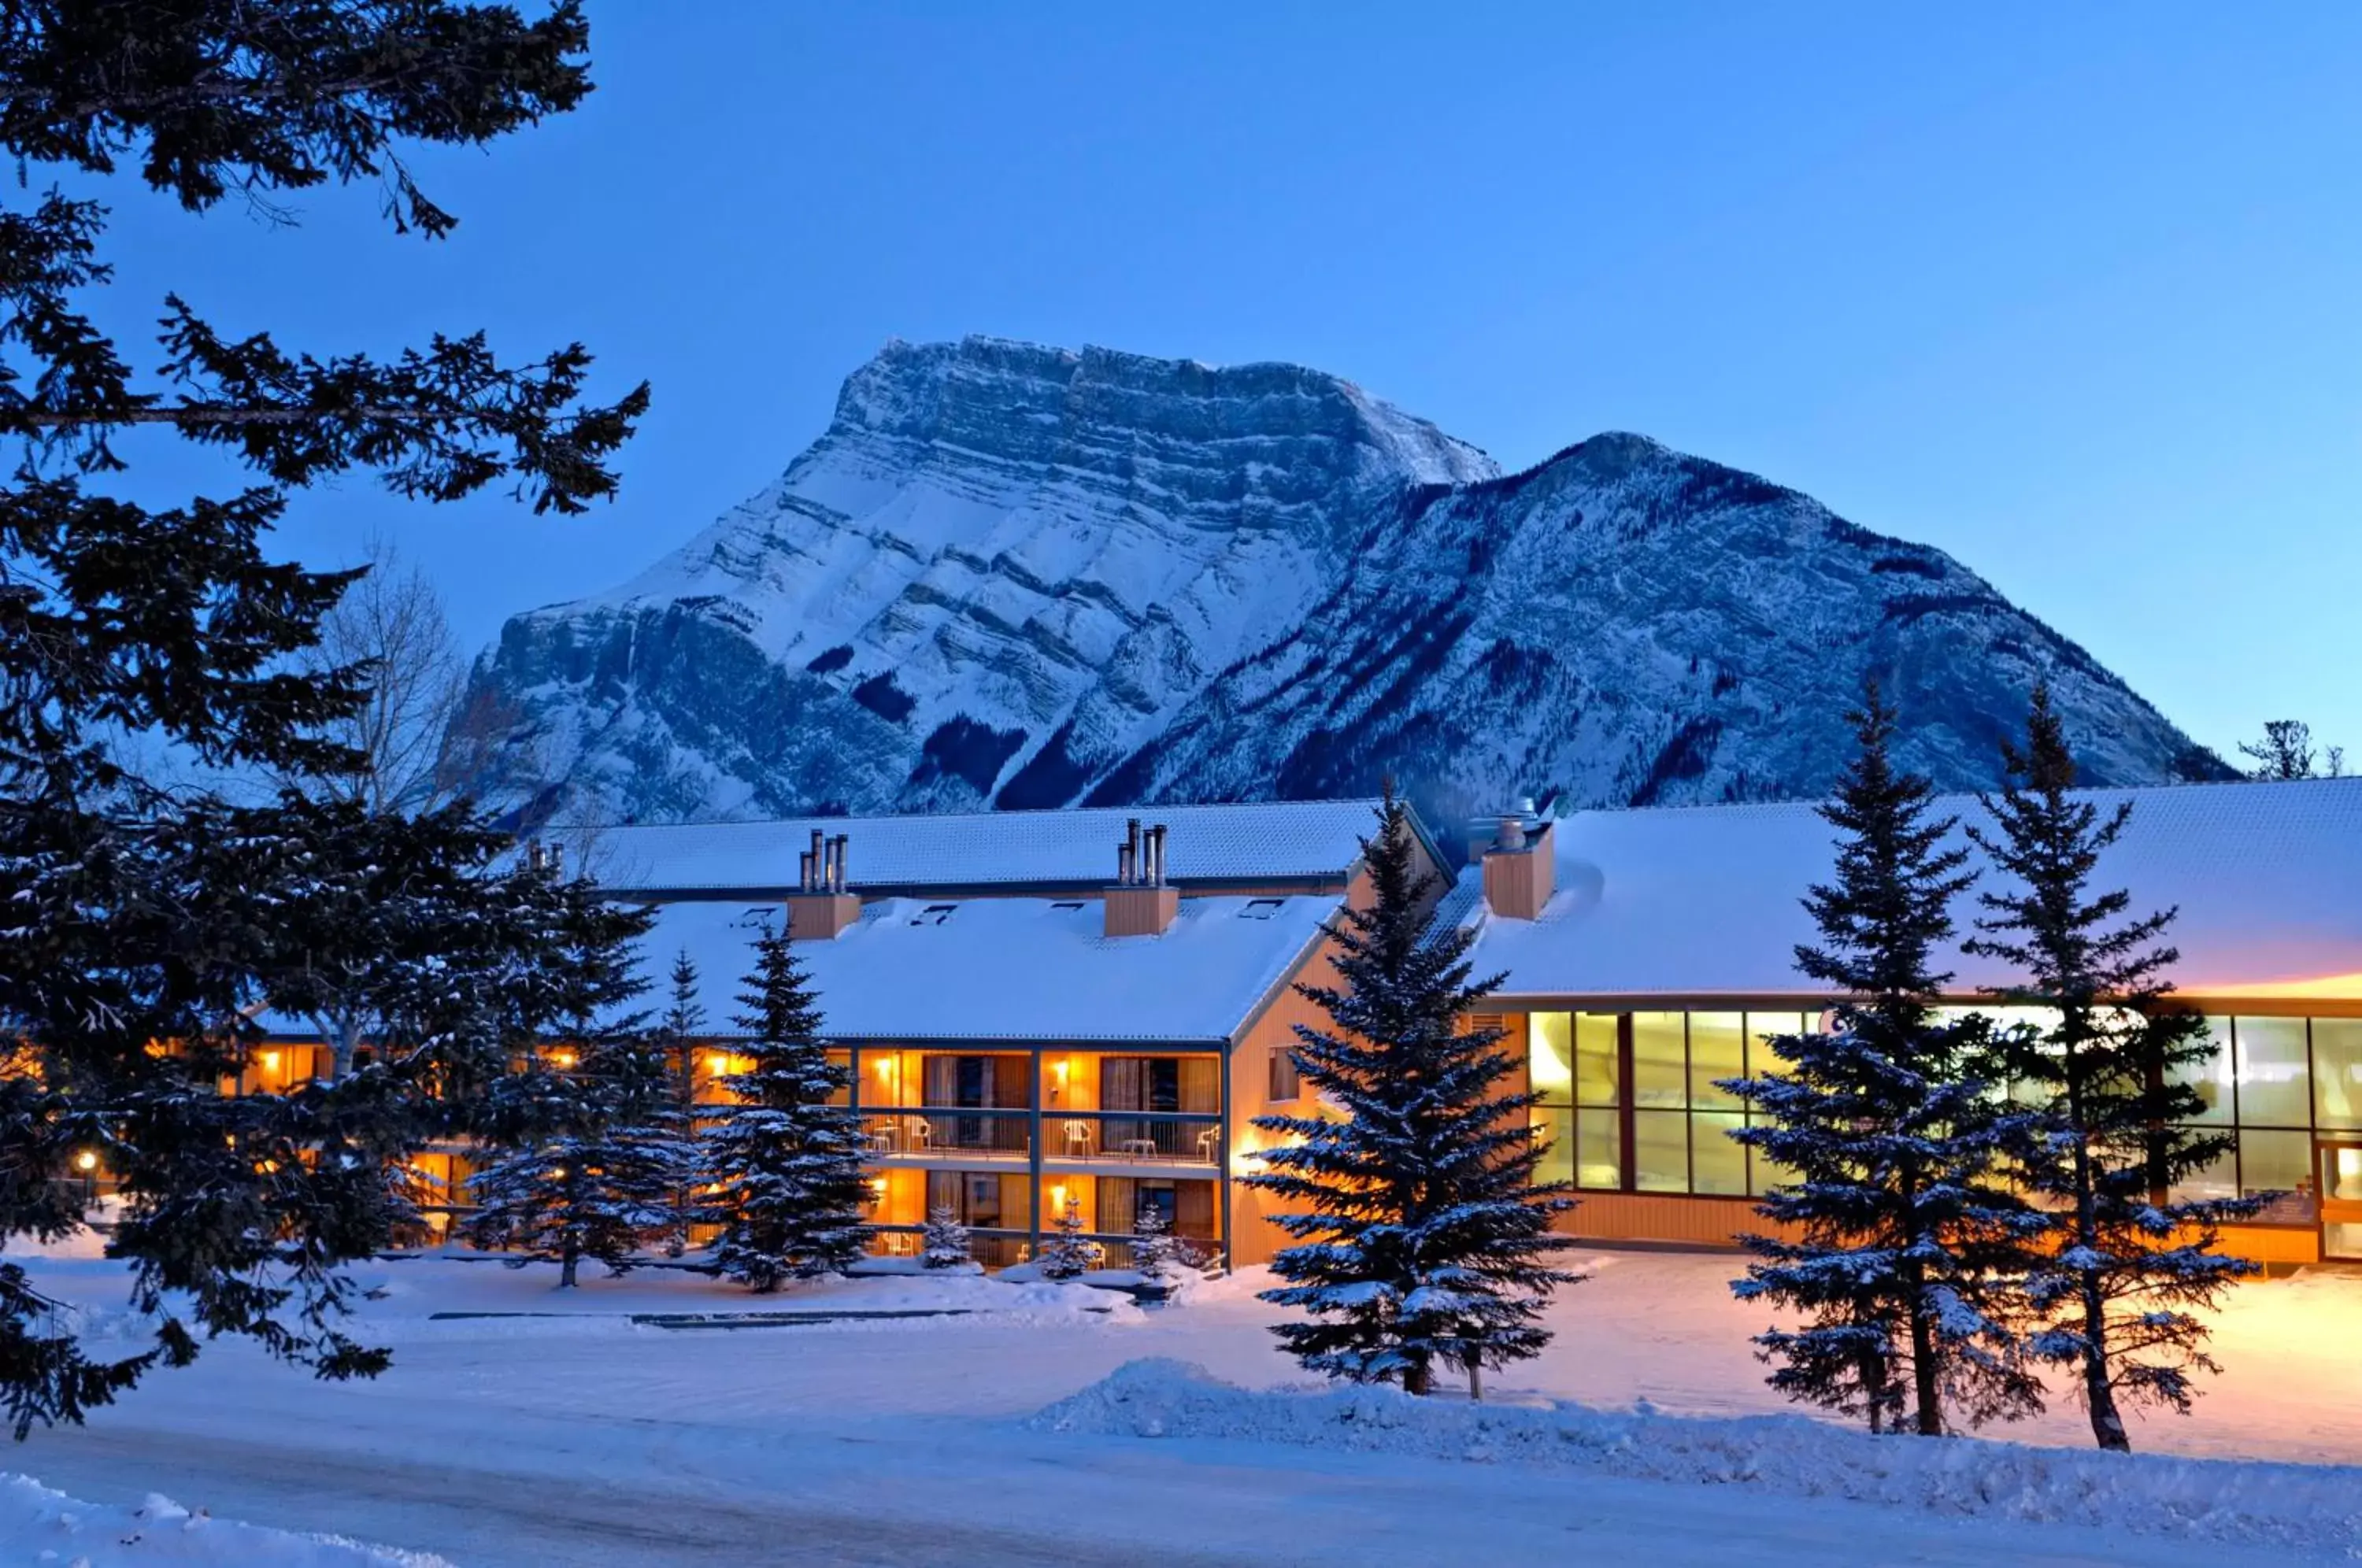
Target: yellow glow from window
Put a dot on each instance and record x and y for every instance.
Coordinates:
(563, 1059)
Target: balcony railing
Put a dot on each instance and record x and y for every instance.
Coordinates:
(951, 1130)
(1147, 1137)
(1140, 1137)
(993, 1248)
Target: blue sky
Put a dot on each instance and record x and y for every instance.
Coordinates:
(2069, 292)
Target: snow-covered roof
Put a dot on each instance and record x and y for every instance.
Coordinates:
(1704, 901)
(1259, 843)
(1027, 970)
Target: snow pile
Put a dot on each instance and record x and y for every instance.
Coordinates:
(37, 1525)
(2311, 1507)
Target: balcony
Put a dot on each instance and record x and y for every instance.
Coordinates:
(1131, 1138)
(951, 1132)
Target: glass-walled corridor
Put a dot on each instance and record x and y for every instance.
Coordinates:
(1630, 1102)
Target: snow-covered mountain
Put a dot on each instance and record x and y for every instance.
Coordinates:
(1021, 576)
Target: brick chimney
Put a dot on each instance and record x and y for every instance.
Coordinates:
(1141, 902)
(821, 909)
(1520, 867)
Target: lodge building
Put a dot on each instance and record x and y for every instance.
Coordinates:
(1095, 1005)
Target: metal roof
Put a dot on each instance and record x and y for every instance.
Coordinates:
(1704, 900)
(1264, 842)
(1023, 971)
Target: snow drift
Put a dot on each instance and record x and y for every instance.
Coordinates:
(37, 1525)
(2314, 1508)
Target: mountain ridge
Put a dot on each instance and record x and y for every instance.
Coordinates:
(1014, 575)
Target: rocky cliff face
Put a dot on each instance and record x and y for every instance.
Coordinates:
(1018, 576)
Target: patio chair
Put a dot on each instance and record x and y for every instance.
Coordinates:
(1209, 1139)
(1083, 1134)
(922, 1133)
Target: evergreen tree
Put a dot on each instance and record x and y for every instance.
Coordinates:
(1423, 1236)
(593, 1157)
(2287, 752)
(1066, 1253)
(1900, 1237)
(682, 1026)
(788, 1163)
(1156, 1254)
(142, 912)
(944, 1240)
(2113, 1076)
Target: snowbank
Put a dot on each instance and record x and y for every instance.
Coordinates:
(2312, 1508)
(37, 1525)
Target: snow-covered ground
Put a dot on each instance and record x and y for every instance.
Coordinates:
(586, 1439)
(37, 1525)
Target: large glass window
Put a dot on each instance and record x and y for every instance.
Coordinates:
(1660, 1065)
(2275, 1162)
(2219, 1177)
(1634, 1103)
(1717, 1163)
(2212, 1077)
(2275, 1088)
(1556, 1125)
(1717, 1050)
(1762, 1028)
(1599, 1149)
(1598, 1060)
(2337, 1072)
(1660, 1151)
(1550, 1062)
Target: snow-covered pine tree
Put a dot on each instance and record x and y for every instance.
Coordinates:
(1424, 1239)
(1066, 1253)
(148, 905)
(944, 1240)
(2129, 1261)
(787, 1163)
(1902, 1237)
(1155, 1256)
(682, 1025)
(592, 1148)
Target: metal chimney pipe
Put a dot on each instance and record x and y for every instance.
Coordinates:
(1122, 864)
(804, 871)
(1139, 869)
(1156, 856)
(844, 841)
(558, 860)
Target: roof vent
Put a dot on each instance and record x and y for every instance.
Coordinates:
(1261, 909)
(1519, 870)
(1141, 902)
(1508, 827)
(820, 910)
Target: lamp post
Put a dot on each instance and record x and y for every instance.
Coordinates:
(86, 1163)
